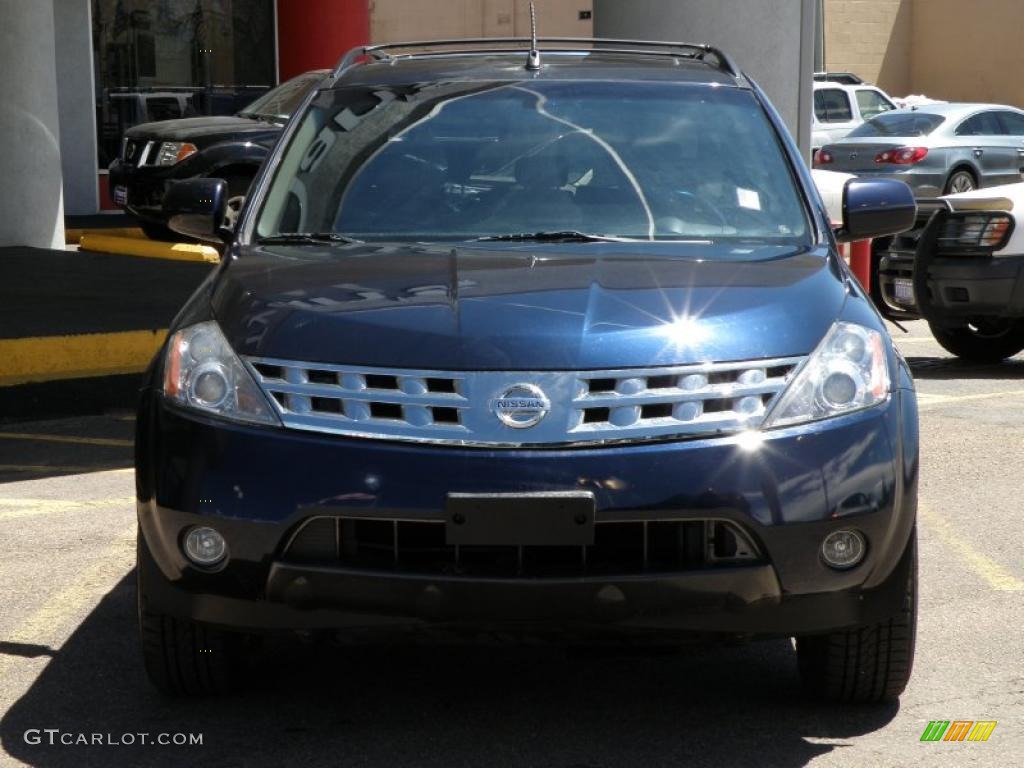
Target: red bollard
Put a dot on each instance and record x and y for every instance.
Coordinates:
(860, 262)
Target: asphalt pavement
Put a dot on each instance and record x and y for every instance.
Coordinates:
(70, 667)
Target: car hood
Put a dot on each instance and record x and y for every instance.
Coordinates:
(191, 128)
(561, 307)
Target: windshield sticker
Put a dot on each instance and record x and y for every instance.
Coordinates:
(748, 198)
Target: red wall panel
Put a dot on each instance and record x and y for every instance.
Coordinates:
(313, 34)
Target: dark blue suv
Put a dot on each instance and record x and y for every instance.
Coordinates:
(552, 339)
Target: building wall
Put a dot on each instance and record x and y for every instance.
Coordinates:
(969, 51)
(315, 34)
(397, 20)
(874, 39)
(946, 49)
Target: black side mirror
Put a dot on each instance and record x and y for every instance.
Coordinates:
(876, 207)
(196, 207)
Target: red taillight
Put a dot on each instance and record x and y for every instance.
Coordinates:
(902, 156)
(822, 157)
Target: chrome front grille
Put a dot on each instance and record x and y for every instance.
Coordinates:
(590, 407)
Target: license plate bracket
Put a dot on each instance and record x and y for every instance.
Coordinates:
(557, 519)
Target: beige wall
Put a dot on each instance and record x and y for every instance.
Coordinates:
(873, 39)
(396, 20)
(969, 50)
(957, 50)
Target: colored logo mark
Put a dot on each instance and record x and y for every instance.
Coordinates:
(958, 730)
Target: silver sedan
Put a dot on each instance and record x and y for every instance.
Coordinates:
(936, 149)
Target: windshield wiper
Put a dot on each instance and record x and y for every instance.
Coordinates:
(307, 237)
(562, 236)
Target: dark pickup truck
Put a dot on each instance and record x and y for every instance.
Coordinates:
(227, 147)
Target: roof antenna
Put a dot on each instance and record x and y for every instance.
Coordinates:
(533, 59)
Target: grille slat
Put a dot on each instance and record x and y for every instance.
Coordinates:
(604, 406)
(619, 548)
(677, 395)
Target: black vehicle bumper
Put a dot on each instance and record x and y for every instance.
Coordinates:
(144, 189)
(965, 287)
(916, 281)
(739, 601)
(257, 486)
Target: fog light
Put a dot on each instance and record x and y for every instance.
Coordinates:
(843, 549)
(204, 546)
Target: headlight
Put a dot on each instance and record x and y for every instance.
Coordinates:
(173, 152)
(201, 371)
(974, 232)
(847, 372)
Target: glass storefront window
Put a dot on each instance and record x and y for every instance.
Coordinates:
(166, 59)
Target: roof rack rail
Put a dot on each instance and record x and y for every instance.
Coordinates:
(844, 78)
(382, 52)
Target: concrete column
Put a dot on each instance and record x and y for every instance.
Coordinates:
(76, 104)
(773, 42)
(31, 201)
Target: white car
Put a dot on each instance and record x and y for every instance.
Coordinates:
(839, 107)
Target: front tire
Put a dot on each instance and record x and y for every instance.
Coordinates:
(986, 341)
(869, 664)
(185, 658)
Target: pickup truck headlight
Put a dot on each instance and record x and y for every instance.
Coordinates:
(847, 372)
(173, 152)
(201, 371)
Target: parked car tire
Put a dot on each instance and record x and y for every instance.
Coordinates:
(988, 341)
(160, 232)
(961, 180)
(186, 658)
(868, 664)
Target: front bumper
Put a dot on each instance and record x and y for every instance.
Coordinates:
(958, 288)
(145, 188)
(915, 281)
(258, 486)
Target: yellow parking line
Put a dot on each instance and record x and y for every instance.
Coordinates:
(49, 358)
(912, 339)
(929, 399)
(66, 439)
(14, 508)
(988, 569)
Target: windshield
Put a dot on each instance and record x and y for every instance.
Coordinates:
(460, 161)
(280, 102)
(898, 124)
